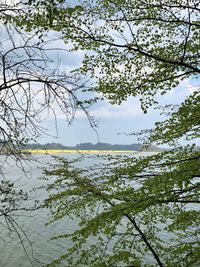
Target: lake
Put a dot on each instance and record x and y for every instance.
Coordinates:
(39, 248)
(42, 249)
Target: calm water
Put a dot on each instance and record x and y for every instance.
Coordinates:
(42, 249)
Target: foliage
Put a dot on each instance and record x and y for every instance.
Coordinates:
(127, 207)
(134, 48)
(138, 48)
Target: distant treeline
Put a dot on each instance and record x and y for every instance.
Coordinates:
(90, 146)
(82, 146)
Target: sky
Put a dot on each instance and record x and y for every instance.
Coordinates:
(114, 121)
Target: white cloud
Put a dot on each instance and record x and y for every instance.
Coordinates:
(193, 89)
(130, 108)
(190, 87)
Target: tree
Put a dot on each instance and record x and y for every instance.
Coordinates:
(134, 48)
(32, 86)
(150, 46)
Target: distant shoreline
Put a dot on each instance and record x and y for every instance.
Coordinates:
(88, 148)
(73, 151)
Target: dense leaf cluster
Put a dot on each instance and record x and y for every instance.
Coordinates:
(131, 211)
(138, 48)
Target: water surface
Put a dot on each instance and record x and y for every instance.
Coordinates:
(38, 249)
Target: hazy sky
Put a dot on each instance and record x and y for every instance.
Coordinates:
(112, 120)
(128, 117)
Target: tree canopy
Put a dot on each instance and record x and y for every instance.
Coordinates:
(129, 205)
(138, 48)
